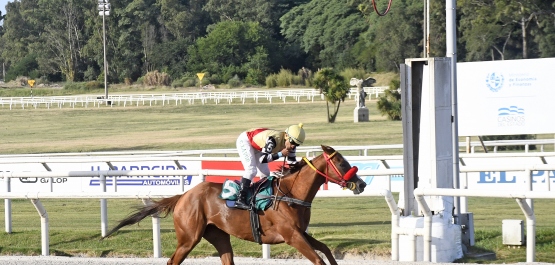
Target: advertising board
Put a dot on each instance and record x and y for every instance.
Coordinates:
(486, 180)
(506, 97)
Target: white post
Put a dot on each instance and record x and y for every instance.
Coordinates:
(265, 251)
(8, 207)
(103, 208)
(44, 226)
(156, 236)
(530, 229)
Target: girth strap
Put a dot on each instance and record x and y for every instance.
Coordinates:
(286, 199)
(255, 225)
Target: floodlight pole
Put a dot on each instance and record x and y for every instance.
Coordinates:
(104, 10)
(104, 43)
(451, 41)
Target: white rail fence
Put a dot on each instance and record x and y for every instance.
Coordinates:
(396, 231)
(309, 151)
(145, 196)
(202, 97)
(370, 91)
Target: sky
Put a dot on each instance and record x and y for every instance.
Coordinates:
(3, 7)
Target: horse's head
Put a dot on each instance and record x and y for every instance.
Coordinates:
(339, 171)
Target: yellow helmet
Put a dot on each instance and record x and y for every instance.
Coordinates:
(295, 133)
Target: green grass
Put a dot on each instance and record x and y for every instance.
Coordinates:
(354, 225)
(182, 127)
(346, 225)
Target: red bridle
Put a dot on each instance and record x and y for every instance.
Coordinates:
(343, 178)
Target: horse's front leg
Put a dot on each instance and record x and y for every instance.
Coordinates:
(298, 240)
(321, 247)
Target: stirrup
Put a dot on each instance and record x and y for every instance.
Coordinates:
(241, 205)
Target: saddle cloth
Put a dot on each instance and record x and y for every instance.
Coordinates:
(261, 190)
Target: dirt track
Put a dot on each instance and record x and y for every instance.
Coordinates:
(51, 260)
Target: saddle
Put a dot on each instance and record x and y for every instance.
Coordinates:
(259, 197)
(259, 194)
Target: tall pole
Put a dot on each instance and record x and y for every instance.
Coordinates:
(451, 34)
(426, 29)
(104, 44)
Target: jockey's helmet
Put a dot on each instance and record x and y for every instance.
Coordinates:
(296, 134)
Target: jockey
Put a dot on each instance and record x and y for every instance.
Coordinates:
(259, 146)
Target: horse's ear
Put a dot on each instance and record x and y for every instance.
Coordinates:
(327, 149)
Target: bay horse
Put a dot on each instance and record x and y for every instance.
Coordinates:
(200, 213)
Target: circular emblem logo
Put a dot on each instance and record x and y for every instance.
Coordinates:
(494, 81)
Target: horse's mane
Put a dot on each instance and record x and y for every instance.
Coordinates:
(292, 168)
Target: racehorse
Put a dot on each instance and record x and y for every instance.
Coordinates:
(200, 213)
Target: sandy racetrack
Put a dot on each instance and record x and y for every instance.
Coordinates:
(53, 260)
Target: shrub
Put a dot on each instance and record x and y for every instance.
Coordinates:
(190, 82)
(205, 81)
(234, 82)
(177, 83)
(254, 76)
(358, 73)
(271, 81)
(74, 86)
(215, 79)
(91, 85)
(297, 80)
(390, 102)
(284, 78)
(156, 78)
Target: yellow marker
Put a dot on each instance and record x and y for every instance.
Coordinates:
(31, 82)
(200, 76)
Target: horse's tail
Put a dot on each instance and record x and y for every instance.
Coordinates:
(164, 206)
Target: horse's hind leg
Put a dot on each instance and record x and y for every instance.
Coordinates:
(321, 247)
(220, 240)
(185, 243)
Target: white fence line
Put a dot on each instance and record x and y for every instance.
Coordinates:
(396, 230)
(36, 196)
(202, 97)
(375, 91)
(309, 151)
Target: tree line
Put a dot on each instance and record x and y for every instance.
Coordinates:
(61, 40)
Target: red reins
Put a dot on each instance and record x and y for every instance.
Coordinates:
(378, 12)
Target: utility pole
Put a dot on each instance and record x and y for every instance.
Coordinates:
(104, 10)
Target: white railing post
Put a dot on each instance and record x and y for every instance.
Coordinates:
(8, 206)
(265, 251)
(530, 229)
(103, 208)
(156, 235)
(45, 240)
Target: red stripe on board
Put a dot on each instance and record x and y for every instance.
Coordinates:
(231, 165)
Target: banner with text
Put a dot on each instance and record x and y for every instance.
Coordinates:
(506, 97)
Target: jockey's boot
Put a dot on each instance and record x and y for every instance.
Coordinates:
(241, 202)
